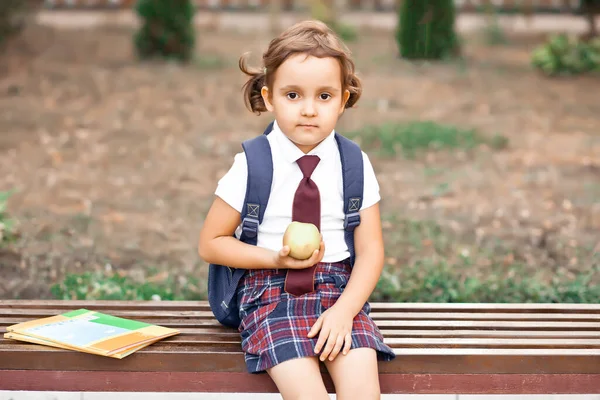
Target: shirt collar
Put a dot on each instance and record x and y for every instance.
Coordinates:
(292, 153)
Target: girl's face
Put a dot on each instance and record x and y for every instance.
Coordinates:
(307, 98)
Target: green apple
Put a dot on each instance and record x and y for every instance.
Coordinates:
(302, 238)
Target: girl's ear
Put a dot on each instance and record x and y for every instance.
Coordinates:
(345, 98)
(264, 92)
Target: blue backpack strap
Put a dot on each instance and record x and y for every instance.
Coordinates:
(258, 187)
(353, 181)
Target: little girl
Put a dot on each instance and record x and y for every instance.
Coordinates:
(307, 82)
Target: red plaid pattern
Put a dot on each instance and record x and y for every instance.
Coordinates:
(275, 324)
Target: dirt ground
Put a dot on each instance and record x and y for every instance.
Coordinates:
(114, 163)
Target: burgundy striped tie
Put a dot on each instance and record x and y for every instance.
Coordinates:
(306, 208)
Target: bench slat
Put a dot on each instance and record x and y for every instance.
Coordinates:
(375, 306)
(200, 344)
(402, 331)
(534, 325)
(415, 315)
(409, 360)
(451, 324)
(233, 348)
(236, 382)
(424, 338)
(443, 325)
(466, 333)
(525, 316)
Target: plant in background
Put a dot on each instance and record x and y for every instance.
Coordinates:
(426, 29)
(13, 16)
(324, 11)
(567, 55)
(167, 29)
(6, 224)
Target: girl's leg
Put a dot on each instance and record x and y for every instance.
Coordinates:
(299, 379)
(355, 375)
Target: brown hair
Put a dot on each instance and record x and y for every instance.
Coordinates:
(312, 38)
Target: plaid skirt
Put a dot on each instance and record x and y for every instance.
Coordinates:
(274, 324)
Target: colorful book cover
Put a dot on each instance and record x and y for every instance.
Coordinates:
(91, 332)
(30, 339)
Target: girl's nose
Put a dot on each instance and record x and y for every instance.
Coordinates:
(308, 109)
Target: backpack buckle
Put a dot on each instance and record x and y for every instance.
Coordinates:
(351, 221)
(250, 227)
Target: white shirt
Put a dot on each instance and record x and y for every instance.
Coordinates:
(286, 177)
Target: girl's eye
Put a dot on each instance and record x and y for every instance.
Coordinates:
(325, 96)
(292, 96)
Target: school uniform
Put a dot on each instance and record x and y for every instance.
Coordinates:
(274, 323)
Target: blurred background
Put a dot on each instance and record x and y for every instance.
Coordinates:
(482, 120)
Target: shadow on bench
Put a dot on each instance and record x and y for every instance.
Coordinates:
(441, 348)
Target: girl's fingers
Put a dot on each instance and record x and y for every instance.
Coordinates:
(348, 343)
(323, 335)
(338, 346)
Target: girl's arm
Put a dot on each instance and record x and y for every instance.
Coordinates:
(218, 246)
(368, 245)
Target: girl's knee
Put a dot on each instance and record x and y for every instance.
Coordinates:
(355, 375)
(299, 379)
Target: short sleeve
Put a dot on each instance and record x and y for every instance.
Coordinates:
(371, 187)
(232, 186)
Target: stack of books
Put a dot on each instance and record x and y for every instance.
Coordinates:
(90, 332)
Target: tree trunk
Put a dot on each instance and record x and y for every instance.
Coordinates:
(591, 9)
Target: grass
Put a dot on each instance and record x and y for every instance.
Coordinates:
(439, 281)
(425, 263)
(101, 286)
(409, 138)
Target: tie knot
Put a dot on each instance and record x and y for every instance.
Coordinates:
(308, 164)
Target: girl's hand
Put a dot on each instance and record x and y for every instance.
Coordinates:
(284, 261)
(335, 325)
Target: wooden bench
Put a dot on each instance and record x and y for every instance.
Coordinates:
(441, 348)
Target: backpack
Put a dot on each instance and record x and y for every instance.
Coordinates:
(223, 280)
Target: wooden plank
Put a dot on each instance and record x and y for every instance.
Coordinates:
(216, 344)
(230, 358)
(440, 347)
(147, 314)
(415, 315)
(525, 316)
(468, 333)
(493, 343)
(375, 306)
(193, 328)
(426, 324)
(204, 335)
(487, 307)
(520, 325)
(231, 382)
(191, 335)
(205, 325)
(157, 348)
